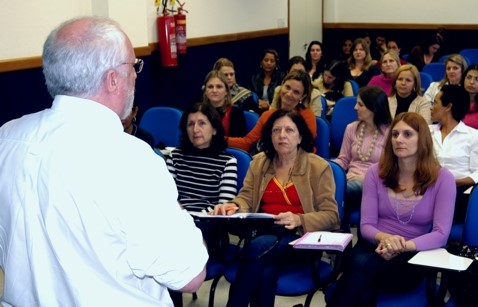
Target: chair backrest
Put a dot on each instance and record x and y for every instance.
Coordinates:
(471, 54)
(470, 229)
(435, 70)
(163, 124)
(355, 86)
(322, 141)
(251, 120)
(243, 160)
(323, 100)
(340, 186)
(343, 114)
(426, 80)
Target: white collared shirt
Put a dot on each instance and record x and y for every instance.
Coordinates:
(89, 215)
(458, 152)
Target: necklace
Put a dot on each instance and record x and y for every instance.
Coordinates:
(404, 206)
(364, 158)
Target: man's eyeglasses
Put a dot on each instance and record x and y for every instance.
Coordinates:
(137, 65)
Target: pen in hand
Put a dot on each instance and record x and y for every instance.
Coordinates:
(320, 238)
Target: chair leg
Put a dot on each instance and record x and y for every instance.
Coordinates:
(308, 299)
(212, 291)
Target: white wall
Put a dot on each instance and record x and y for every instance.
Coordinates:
(403, 11)
(25, 24)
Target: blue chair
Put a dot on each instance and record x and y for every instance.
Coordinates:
(470, 228)
(405, 56)
(322, 140)
(163, 124)
(471, 54)
(426, 80)
(445, 57)
(343, 114)
(243, 160)
(251, 120)
(323, 100)
(298, 279)
(435, 70)
(355, 86)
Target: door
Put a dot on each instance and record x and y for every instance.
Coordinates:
(305, 25)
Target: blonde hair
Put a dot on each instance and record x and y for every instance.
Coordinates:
(416, 75)
(458, 60)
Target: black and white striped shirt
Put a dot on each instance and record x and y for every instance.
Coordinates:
(204, 179)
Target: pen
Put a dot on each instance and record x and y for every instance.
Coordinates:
(320, 238)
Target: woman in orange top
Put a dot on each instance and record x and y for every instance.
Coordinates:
(294, 94)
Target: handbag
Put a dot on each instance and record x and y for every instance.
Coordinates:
(463, 286)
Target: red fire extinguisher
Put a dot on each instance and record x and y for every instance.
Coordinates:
(167, 40)
(180, 19)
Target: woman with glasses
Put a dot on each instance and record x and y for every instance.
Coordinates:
(290, 182)
(240, 96)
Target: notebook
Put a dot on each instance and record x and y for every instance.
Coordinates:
(441, 258)
(325, 240)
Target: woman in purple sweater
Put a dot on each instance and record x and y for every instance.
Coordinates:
(407, 206)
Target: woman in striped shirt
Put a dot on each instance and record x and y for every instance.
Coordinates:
(205, 175)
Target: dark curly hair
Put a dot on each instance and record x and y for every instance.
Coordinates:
(307, 142)
(218, 142)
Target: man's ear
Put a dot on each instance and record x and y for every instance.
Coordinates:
(112, 81)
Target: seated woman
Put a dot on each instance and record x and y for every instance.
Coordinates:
(425, 53)
(298, 63)
(455, 144)
(405, 94)
(407, 206)
(295, 185)
(240, 96)
(470, 83)
(295, 94)
(455, 66)
(363, 143)
(345, 51)
(389, 63)
(218, 95)
(314, 60)
(264, 82)
(361, 66)
(205, 175)
(130, 127)
(333, 84)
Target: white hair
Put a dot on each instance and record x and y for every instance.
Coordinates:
(75, 63)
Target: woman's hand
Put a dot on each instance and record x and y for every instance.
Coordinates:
(225, 209)
(288, 219)
(264, 104)
(353, 176)
(390, 246)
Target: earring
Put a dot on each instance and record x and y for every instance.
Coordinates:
(134, 119)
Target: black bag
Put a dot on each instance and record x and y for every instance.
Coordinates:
(463, 286)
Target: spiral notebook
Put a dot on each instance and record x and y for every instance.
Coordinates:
(325, 240)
